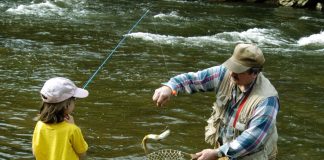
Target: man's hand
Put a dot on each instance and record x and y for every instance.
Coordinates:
(207, 154)
(162, 95)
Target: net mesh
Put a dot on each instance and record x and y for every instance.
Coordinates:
(167, 154)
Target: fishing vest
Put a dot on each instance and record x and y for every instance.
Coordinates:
(261, 90)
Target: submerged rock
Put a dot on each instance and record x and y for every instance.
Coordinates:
(319, 6)
(311, 4)
(287, 3)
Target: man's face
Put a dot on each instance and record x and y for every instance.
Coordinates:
(243, 79)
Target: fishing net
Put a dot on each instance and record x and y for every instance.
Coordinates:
(168, 154)
(164, 154)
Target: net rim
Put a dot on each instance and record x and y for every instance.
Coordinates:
(168, 154)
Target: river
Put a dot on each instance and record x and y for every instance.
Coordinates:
(71, 38)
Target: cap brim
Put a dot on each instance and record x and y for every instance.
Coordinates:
(234, 66)
(81, 93)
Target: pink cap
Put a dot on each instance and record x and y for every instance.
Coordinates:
(58, 89)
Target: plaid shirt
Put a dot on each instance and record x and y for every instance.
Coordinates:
(263, 118)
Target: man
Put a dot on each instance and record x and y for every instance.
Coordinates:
(243, 123)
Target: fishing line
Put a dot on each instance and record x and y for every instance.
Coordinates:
(164, 153)
(113, 51)
(164, 59)
(166, 68)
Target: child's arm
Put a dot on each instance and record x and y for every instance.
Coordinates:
(79, 145)
(33, 151)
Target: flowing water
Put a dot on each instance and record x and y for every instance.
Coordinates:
(71, 38)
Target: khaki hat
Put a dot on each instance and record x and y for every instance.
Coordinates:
(59, 89)
(245, 56)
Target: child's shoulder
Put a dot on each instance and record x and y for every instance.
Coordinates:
(71, 127)
(61, 125)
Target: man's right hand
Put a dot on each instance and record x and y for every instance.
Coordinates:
(162, 95)
(207, 154)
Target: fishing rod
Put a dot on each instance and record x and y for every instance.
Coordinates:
(113, 51)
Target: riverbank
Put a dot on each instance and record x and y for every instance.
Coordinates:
(307, 4)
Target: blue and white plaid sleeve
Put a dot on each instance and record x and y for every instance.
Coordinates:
(205, 80)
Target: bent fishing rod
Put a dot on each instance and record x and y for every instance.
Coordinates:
(113, 51)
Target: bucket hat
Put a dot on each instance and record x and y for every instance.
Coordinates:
(244, 57)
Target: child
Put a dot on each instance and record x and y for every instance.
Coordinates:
(55, 135)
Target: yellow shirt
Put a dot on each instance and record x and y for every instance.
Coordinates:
(63, 141)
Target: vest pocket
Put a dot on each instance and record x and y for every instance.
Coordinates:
(240, 126)
(221, 101)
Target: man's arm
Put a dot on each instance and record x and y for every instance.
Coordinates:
(205, 80)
